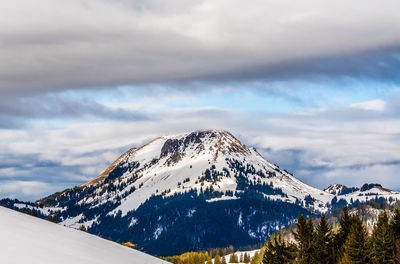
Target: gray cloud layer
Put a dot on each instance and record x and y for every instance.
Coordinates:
(71, 44)
(191, 45)
(17, 111)
(349, 145)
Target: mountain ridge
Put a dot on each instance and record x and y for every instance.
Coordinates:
(195, 191)
(209, 145)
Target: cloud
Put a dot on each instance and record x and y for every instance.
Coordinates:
(380, 64)
(17, 189)
(148, 68)
(377, 105)
(16, 111)
(348, 145)
(80, 44)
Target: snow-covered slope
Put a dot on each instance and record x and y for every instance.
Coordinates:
(27, 239)
(369, 192)
(336, 189)
(238, 254)
(198, 160)
(168, 190)
(365, 193)
(177, 163)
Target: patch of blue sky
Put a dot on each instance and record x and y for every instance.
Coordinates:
(294, 95)
(275, 97)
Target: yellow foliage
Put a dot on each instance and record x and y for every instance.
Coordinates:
(189, 258)
(128, 244)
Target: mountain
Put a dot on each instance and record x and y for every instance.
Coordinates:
(367, 192)
(194, 191)
(184, 192)
(198, 160)
(339, 189)
(28, 239)
(213, 160)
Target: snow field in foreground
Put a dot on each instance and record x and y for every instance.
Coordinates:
(27, 239)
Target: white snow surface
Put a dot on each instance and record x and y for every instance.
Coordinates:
(222, 198)
(238, 253)
(195, 159)
(27, 239)
(335, 188)
(154, 172)
(44, 210)
(369, 194)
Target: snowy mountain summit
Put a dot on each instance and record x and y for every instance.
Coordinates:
(371, 191)
(201, 160)
(194, 191)
(339, 189)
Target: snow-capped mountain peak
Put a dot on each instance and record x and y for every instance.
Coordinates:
(178, 178)
(211, 159)
(199, 160)
(336, 189)
(172, 149)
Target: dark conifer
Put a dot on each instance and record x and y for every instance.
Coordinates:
(340, 238)
(395, 229)
(356, 248)
(382, 241)
(324, 242)
(304, 236)
(279, 252)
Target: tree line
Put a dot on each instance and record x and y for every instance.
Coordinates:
(349, 243)
(211, 256)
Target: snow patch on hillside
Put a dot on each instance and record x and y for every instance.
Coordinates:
(42, 210)
(27, 239)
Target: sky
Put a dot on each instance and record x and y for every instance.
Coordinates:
(314, 85)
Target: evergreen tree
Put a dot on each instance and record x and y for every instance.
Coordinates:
(233, 258)
(356, 249)
(188, 257)
(395, 229)
(256, 259)
(241, 257)
(52, 219)
(246, 258)
(382, 241)
(217, 259)
(223, 260)
(340, 238)
(324, 242)
(279, 252)
(229, 250)
(304, 236)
